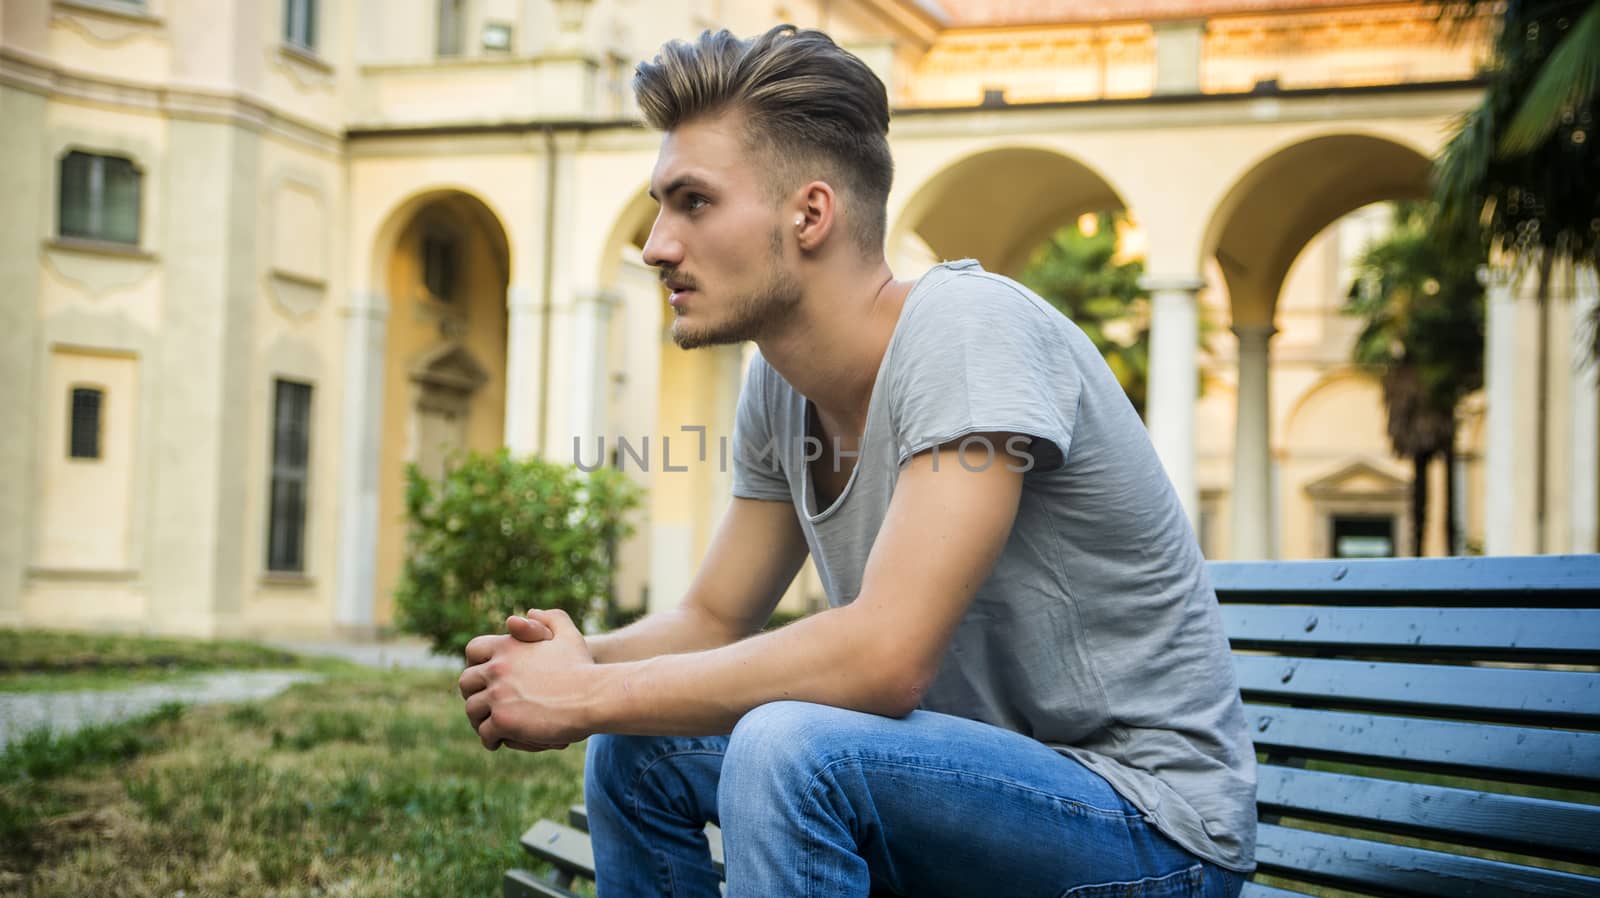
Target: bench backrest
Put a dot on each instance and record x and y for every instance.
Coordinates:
(1427, 727)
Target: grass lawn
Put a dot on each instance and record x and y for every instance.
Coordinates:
(366, 783)
(46, 660)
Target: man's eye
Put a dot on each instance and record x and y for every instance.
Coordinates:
(695, 201)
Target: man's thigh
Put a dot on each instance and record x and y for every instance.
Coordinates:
(947, 806)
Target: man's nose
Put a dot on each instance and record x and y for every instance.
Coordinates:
(662, 249)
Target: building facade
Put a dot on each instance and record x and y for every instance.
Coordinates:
(259, 257)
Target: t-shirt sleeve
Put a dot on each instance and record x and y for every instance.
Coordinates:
(757, 462)
(983, 356)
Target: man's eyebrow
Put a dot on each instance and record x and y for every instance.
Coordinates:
(678, 184)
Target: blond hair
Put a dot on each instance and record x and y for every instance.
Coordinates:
(815, 109)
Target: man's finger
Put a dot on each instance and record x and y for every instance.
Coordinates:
(478, 707)
(557, 620)
(473, 680)
(481, 648)
(489, 734)
(528, 630)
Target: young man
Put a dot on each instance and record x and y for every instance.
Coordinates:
(1022, 687)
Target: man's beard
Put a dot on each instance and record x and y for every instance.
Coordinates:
(750, 315)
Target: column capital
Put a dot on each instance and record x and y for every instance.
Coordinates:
(1165, 283)
(1260, 333)
(1501, 276)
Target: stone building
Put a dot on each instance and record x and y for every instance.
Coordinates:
(258, 256)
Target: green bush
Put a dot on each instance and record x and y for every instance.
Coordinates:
(499, 535)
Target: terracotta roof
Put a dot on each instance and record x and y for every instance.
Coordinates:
(978, 13)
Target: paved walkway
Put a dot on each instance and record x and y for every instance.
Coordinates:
(64, 712)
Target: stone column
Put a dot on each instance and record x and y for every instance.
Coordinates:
(1585, 477)
(1252, 525)
(522, 388)
(591, 367)
(1510, 385)
(1174, 380)
(366, 318)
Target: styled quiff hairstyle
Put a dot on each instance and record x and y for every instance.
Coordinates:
(813, 108)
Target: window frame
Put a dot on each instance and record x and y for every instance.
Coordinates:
(73, 392)
(283, 473)
(96, 228)
(301, 13)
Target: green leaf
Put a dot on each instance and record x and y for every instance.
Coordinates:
(1567, 80)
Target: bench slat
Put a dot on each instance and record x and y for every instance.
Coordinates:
(524, 884)
(1524, 632)
(563, 846)
(1411, 871)
(1537, 826)
(1257, 890)
(1560, 756)
(1546, 575)
(1482, 692)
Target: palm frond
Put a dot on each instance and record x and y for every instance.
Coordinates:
(1566, 81)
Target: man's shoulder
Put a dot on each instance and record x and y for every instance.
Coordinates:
(963, 292)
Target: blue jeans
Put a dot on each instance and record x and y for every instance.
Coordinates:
(816, 801)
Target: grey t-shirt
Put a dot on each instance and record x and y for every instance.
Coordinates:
(1097, 632)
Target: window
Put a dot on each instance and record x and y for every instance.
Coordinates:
(83, 440)
(439, 265)
(291, 441)
(1363, 536)
(99, 198)
(300, 24)
(450, 17)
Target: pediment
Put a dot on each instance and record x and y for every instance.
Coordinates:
(1359, 479)
(450, 366)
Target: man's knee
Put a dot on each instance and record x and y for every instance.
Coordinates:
(610, 761)
(786, 743)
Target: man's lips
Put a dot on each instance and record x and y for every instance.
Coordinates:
(679, 292)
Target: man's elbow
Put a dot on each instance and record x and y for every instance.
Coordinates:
(897, 693)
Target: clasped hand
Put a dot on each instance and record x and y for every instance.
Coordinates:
(526, 690)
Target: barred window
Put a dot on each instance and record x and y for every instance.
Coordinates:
(83, 440)
(291, 443)
(99, 198)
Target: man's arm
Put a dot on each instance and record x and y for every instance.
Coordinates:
(757, 550)
(946, 525)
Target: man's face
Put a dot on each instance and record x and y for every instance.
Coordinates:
(718, 239)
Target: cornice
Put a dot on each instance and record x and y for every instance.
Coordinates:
(26, 71)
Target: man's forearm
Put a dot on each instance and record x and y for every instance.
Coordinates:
(682, 629)
(829, 658)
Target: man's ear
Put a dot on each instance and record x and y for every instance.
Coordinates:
(816, 214)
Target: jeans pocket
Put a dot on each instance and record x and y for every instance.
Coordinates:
(1185, 883)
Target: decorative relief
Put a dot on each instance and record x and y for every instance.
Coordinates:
(108, 24)
(98, 270)
(297, 297)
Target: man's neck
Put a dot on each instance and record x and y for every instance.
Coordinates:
(831, 350)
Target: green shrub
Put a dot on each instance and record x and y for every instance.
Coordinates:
(499, 535)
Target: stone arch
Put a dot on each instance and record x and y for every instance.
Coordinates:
(1288, 195)
(996, 204)
(1342, 411)
(441, 258)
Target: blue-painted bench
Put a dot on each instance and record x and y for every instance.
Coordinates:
(1426, 727)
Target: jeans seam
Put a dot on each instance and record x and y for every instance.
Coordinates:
(888, 762)
(661, 857)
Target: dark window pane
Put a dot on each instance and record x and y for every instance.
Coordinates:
(74, 206)
(120, 201)
(99, 198)
(439, 265)
(1363, 537)
(449, 28)
(84, 440)
(291, 442)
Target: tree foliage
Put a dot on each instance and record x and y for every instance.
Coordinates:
(499, 535)
(1523, 164)
(1079, 273)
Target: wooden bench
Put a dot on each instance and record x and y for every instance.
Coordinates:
(1426, 727)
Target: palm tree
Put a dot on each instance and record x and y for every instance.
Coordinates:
(1525, 164)
(1423, 306)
